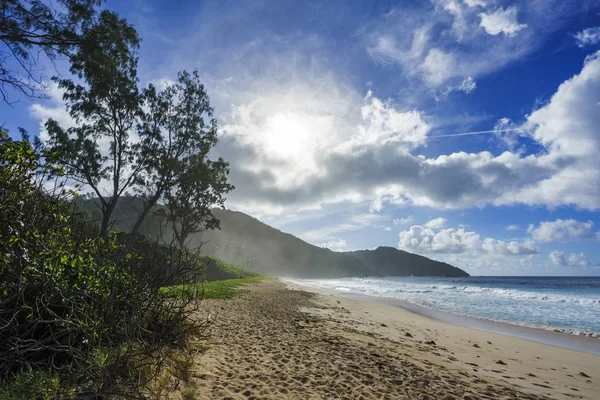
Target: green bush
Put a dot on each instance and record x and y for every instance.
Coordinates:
(77, 305)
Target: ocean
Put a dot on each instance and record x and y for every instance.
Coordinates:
(565, 304)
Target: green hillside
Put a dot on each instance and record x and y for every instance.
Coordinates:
(389, 261)
(248, 243)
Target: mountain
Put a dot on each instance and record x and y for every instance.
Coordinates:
(389, 261)
(245, 241)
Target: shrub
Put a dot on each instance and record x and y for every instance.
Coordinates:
(74, 304)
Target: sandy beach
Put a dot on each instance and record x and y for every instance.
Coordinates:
(280, 341)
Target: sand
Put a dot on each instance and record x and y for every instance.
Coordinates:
(279, 341)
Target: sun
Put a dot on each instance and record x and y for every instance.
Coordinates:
(288, 136)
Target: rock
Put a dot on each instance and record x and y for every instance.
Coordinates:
(407, 334)
(500, 362)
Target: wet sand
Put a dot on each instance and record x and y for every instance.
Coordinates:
(280, 341)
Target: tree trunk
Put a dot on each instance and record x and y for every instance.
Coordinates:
(106, 214)
(136, 227)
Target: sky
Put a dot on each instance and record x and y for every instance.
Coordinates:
(467, 131)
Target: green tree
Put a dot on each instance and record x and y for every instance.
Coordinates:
(201, 187)
(179, 131)
(28, 26)
(106, 106)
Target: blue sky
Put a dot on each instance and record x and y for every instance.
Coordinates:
(330, 114)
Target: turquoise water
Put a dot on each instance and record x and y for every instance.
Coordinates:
(569, 305)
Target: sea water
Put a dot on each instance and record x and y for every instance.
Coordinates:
(566, 304)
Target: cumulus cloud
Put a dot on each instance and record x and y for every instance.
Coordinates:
(337, 244)
(317, 142)
(501, 21)
(298, 136)
(572, 260)
(558, 258)
(566, 127)
(512, 228)
(423, 240)
(560, 230)
(588, 37)
(436, 223)
(578, 259)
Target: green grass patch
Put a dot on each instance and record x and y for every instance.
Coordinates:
(41, 385)
(224, 289)
(217, 269)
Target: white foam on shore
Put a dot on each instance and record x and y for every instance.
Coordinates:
(574, 314)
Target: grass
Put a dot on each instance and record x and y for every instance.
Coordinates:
(43, 385)
(224, 289)
(217, 269)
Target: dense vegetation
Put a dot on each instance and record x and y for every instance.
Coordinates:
(388, 261)
(83, 310)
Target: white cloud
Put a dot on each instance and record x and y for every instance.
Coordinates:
(404, 221)
(328, 235)
(512, 228)
(436, 223)
(337, 244)
(467, 85)
(438, 67)
(561, 229)
(446, 44)
(572, 260)
(382, 124)
(588, 37)
(578, 259)
(567, 128)
(501, 21)
(423, 240)
(313, 141)
(558, 258)
(475, 3)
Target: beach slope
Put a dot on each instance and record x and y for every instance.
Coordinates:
(279, 340)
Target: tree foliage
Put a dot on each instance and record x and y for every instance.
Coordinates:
(106, 104)
(179, 131)
(188, 205)
(158, 140)
(75, 304)
(31, 27)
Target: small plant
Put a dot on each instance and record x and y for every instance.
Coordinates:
(41, 385)
(189, 394)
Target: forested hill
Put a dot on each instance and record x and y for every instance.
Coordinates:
(389, 261)
(249, 243)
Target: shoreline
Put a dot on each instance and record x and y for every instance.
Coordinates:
(555, 338)
(279, 340)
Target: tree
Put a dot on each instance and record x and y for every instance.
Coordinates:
(27, 26)
(200, 187)
(179, 131)
(106, 108)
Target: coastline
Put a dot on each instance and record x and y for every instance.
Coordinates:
(280, 340)
(549, 337)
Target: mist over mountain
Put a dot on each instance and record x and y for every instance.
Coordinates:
(245, 241)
